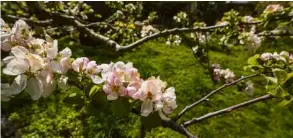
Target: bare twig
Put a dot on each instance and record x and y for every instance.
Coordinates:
(227, 110)
(29, 21)
(188, 107)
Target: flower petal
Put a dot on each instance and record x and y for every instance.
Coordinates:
(97, 79)
(66, 52)
(16, 67)
(19, 84)
(49, 88)
(112, 96)
(34, 88)
(163, 116)
(146, 107)
(19, 52)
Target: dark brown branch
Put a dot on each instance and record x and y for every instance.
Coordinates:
(226, 110)
(188, 107)
(172, 125)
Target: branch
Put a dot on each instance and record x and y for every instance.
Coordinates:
(171, 124)
(271, 33)
(30, 21)
(226, 110)
(188, 107)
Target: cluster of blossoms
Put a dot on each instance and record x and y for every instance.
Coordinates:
(148, 30)
(283, 56)
(248, 19)
(251, 40)
(33, 61)
(180, 17)
(220, 74)
(273, 8)
(124, 80)
(39, 68)
(174, 39)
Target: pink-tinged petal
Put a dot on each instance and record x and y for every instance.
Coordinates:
(138, 95)
(112, 96)
(34, 88)
(35, 61)
(92, 68)
(163, 116)
(65, 64)
(117, 82)
(97, 79)
(146, 107)
(80, 64)
(107, 88)
(131, 91)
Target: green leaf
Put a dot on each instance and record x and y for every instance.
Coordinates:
(121, 107)
(286, 102)
(253, 60)
(271, 80)
(152, 121)
(278, 91)
(255, 68)
(94, 90)
(72, 95)
(281, 75)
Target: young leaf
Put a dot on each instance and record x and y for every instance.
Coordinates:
(253, 60)
(121, 107)
(94, 90)
(151, 121)
(280, 74)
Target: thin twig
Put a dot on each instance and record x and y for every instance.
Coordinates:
(226, 110)
(30, 21)
(188, 107)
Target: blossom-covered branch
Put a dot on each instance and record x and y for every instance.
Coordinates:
(187, 108)
(227, 110)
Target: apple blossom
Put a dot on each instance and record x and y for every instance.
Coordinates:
(151, 93)
(92, 70)
(80, 64)
(266, 56)
(249, 88)
(274, 8)
(61, 64)
(121, 79)
(168, 103)
(226, 74)
(147, 30)
(248, 19)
